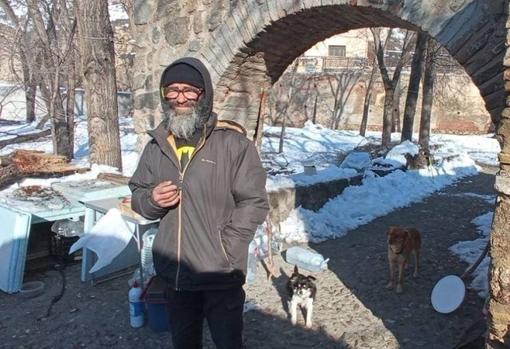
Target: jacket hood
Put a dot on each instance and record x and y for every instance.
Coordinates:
(208, 88)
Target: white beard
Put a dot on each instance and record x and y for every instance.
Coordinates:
(184, 125)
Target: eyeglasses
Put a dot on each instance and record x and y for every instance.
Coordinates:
(188, 93)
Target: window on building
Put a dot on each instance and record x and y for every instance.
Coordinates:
(336, 50)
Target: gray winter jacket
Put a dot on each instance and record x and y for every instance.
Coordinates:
(202, 242)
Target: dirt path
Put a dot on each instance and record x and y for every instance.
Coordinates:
(353, 309)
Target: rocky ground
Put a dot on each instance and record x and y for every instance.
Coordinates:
(353, 309)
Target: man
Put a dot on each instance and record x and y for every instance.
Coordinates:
(204, 180)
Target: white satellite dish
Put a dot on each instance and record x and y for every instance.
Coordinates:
(448, 294)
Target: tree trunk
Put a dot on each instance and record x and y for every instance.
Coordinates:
(257, 138)
(498, 336)
(31, 88)
(387, 116)
(98, 64)
(45, 94)
(61, 139)
(428, 97)
(395, 109)
(366, 102)
(28, 86)
(333, 113)
(414, 86)
(45, 27)
(30, 94)
(314, 116)
(71, 96)
(282, 134)
(335, 90)
(364, 118)
(339, 114)
(389, 84)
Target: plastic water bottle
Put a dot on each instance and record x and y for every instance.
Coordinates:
(306, 259)
(146, 257)
(251, 272)
(136, 317)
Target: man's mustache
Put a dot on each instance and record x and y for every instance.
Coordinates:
(188, 104)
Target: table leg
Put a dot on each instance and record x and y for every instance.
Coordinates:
(87, 257)
(139, 245)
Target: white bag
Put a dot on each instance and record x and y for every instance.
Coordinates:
(107, 238)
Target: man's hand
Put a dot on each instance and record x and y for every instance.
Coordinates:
(166, 194)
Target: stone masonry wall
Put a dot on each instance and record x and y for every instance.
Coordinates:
(247, 44)
(311, 197)
(499, 271)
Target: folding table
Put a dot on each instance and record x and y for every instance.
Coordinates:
(17, 217)
(130, 256)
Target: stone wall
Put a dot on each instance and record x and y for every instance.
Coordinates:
(311, 197)
(499, 271)
(247, 44)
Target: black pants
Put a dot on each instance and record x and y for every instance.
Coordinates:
(223, 310)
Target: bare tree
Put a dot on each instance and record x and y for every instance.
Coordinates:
(6, 92)
(282, 95)
(367, 99)
(414, 86)
(98, 64)
(129, 7)
(390, 84)
(395, 111)
(428, 92)
(341, 85)
(56, 45)
(316, 97)
(22, 51)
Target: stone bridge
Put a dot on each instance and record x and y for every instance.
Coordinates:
(247, 44)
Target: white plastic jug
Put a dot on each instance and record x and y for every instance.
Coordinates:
(251, 272)
(146, 257)
(306, 259)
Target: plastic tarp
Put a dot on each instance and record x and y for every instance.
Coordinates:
(356, 160)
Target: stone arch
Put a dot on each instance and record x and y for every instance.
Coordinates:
(259, 39)
(247, 44)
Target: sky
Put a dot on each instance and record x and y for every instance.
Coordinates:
(314, 145)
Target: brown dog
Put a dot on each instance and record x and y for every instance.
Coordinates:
(401, 242)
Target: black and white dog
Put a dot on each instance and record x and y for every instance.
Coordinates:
(301, 290)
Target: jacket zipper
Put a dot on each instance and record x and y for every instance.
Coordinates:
(179, 230)
(223, 248)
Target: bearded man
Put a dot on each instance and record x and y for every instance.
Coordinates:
(204, 180)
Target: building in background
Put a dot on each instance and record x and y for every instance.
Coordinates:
(458, 106)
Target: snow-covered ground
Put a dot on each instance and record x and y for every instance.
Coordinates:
(469, 251)
(323, 148)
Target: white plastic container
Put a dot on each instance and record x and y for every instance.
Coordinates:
(251, 273)
(306, 259)
(146, 253)
(136, 316)
(310, 170)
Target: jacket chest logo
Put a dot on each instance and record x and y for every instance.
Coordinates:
(208, 161)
